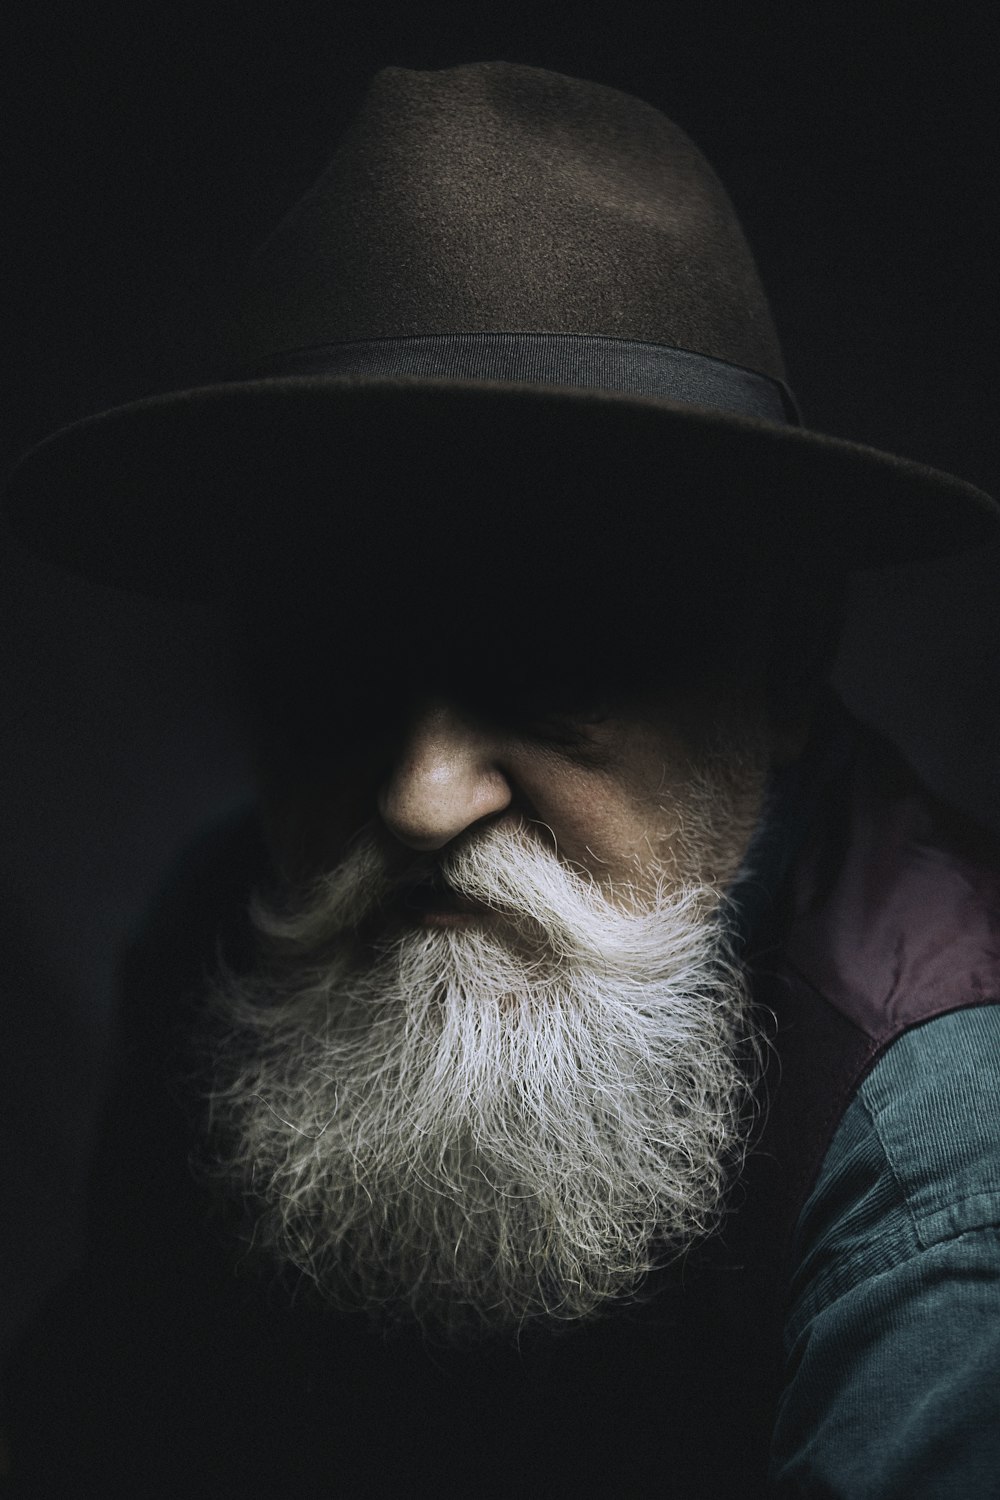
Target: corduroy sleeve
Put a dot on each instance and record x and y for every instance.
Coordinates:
(892, 1339)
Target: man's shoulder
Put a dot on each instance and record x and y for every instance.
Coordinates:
(890, 918)
(895, 1290)
(916, 1155)
(894, 900)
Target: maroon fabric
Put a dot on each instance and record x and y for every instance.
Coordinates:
(890, 917)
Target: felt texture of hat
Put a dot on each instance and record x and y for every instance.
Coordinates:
(464, 206)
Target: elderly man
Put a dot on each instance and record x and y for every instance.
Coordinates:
(593, 1085)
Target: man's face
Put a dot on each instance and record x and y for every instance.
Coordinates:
(493, 1059)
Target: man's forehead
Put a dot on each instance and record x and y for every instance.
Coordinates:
(513, 629)
(518, 650)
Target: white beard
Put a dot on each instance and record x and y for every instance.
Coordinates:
(484, 1126)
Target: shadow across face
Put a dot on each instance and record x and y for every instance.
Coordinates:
(520, 637)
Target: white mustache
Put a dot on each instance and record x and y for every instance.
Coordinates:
(508, 870)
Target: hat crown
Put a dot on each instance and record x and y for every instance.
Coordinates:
(494, 197)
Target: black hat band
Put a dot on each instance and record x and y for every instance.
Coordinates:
(589, 361)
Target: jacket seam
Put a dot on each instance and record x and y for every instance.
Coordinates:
(901, 1192)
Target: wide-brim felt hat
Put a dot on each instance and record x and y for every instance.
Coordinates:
(513, 339)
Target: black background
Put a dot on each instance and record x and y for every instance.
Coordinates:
(154, 144)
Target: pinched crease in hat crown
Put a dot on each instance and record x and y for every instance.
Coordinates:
(495, 197)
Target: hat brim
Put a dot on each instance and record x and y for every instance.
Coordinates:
(230, 491)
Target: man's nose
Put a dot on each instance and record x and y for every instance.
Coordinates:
(443, 780)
